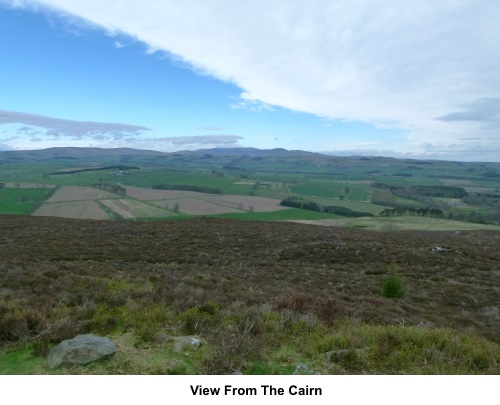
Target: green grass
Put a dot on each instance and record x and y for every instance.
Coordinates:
(317, 189)
(346, 347)
(21, 201)
(406, 201)
(353, 205)
(149, 177)
(282, 215)
(359, 195)
(289, 214)
(408, 224)
(21, 362)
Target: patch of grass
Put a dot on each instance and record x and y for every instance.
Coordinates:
(318, 189)
(353, 205)
(288, 214)
(21, 362)
(359, 195)
(281, 341)
(22, 200)
(406, 223)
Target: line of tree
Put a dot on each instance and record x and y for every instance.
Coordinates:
(491, 173)
(426, 191)
(384, 186)
(483, 200)
(114, 188)
(295, 202)
(413, 211)
(345, 212)
(489, 217)
(443, 176)
(93, 169)
(39, 201)
(188, 187)
(344, 193)
(440, 191)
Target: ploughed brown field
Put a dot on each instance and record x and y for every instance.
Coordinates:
(325, 271)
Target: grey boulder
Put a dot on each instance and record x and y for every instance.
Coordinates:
(82, 349)
(187, 341)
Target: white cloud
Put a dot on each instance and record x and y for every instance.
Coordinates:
(4, 146)
(391, 63)
(33, 124)
(199, 139)
(31, 130)
(173, 143)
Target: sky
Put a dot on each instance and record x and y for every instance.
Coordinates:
(414, 79)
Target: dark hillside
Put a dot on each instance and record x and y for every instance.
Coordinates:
(331, 272)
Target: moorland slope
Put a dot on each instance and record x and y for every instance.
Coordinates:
(262, 295)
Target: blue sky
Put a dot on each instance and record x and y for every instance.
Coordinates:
(375, 78)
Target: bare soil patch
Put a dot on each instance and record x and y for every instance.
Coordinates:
(72, 209)
(401, 223)
(194, 203)
(75, 193)
(195, 206)
(128, 208)
(151, 195)
(259, 204)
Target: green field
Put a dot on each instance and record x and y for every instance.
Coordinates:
(21, 201)
(290, 214)
(316, 189)
(327, 180)
(359, 195)
(404, 224)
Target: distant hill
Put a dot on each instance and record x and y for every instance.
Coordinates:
(253, 152)
(72, 153)
(75, 153)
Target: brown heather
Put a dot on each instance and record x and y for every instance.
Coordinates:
(262, 295)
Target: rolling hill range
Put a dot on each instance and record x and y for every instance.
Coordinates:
(75, 153)
(235, 182)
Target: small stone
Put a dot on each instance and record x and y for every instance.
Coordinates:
(439, 249)
(302, 369)
(183, 341)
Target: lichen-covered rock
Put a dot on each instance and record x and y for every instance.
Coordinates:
(82, 349)
(190, 341)
(302, 369)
